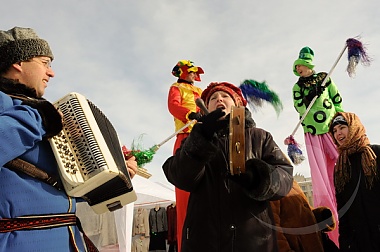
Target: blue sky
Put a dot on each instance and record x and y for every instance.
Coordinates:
(119, 54)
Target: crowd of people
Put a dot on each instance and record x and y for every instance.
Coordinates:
(261, 209)
(200, 166)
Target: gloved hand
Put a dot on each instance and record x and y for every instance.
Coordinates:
(256, 172)
(325, 219)
(316, 91)
(320, 89)
(195, 116)
(210, 124)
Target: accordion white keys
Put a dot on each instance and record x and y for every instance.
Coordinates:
(90, 157)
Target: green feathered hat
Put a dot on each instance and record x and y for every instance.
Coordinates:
(305, 58)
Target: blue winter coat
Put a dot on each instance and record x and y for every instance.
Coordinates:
(21, 135)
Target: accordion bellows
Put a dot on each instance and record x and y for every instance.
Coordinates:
(89, 156)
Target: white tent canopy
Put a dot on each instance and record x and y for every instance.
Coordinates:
(103, 228)
(150, 193)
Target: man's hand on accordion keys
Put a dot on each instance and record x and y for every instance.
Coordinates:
(131, 164)
(61, 114)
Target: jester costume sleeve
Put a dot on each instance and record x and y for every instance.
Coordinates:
(181, 102)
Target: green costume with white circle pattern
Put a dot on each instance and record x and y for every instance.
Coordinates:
(325, 106)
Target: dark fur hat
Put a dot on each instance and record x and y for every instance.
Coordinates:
(20, 44)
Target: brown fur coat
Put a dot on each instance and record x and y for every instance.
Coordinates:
(299, 224)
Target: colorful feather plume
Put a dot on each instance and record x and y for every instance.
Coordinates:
(142, 156)
(145, 156)
(257, 92)
(356, 53)
(294, 151)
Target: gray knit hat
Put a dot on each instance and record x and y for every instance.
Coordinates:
(20, 44)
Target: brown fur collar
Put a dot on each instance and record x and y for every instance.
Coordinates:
(51, 118)
(13, 87)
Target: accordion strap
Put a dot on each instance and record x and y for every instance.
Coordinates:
(33, 171)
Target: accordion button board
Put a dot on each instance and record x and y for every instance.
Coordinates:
(89, 155)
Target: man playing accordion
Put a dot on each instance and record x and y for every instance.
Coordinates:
(33, 213)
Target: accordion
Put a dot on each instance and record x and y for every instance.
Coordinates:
(89, 155)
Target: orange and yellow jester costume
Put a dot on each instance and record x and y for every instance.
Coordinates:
(181, 103)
